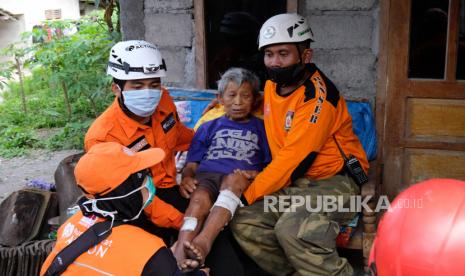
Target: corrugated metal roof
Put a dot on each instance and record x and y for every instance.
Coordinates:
(7, 16)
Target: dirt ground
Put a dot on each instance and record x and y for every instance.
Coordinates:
(38, 164)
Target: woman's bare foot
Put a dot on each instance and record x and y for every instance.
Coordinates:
(202, 248)
(178, 252)
(194, 255)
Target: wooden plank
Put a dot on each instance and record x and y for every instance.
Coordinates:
(436, 119)
(382, 83)
(435, 89)
(425, 164)
(452, 40)
(397, 69)
(368, 239)
(400, 33)
(200, 44)
(398, 29)
(415, 143)
(393, 174)
(292, 5)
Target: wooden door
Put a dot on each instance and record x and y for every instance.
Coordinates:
(423, 114)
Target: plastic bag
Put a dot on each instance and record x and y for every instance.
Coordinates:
(363, 123)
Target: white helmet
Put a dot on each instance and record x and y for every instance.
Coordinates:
(135, 59)
(284, 28)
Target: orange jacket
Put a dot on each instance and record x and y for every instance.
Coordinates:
(166, 132)
(300, 128)
(164, 214)
(125, 252)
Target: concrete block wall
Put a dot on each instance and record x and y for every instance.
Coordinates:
(345, 32)
(346, 43)
(168, 24)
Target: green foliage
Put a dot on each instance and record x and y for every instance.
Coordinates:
(6, 73)
(14, 140)
(17, 137)
(70, 137)
(67, 86)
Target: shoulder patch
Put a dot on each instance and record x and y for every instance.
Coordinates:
(168, 123)
(321, 89)
(332, 94)
(309, 90)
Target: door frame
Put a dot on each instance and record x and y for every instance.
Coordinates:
(200, 42)
(393, 80)
(381, 89)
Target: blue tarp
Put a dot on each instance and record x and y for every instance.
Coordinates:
(363, 124)
(191, 103)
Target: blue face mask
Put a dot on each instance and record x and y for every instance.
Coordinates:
(142, 102)
(152, 190)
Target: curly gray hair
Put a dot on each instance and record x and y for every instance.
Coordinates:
(238, 76)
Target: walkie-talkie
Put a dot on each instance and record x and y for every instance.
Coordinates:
(352, 167)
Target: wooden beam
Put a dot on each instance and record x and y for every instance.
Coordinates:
(452, 40)
(200, 44)
(292, 5)
(382, 70)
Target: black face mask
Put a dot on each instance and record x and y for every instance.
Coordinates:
(127, 207)
(287, 75)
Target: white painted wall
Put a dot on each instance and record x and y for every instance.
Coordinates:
(9, 32)
(30, 13)
(34, 11)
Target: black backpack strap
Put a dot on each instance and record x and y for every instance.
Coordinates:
(92, 236)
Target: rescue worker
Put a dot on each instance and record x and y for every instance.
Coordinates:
(423, 232)
(143, 115)
(100, 238)
(310, 135)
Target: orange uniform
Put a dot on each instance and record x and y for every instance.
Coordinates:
(164, 214)
(125, 252)
(166, 132)
(300, 129)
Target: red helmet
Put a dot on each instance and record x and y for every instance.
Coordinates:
(423, 233)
